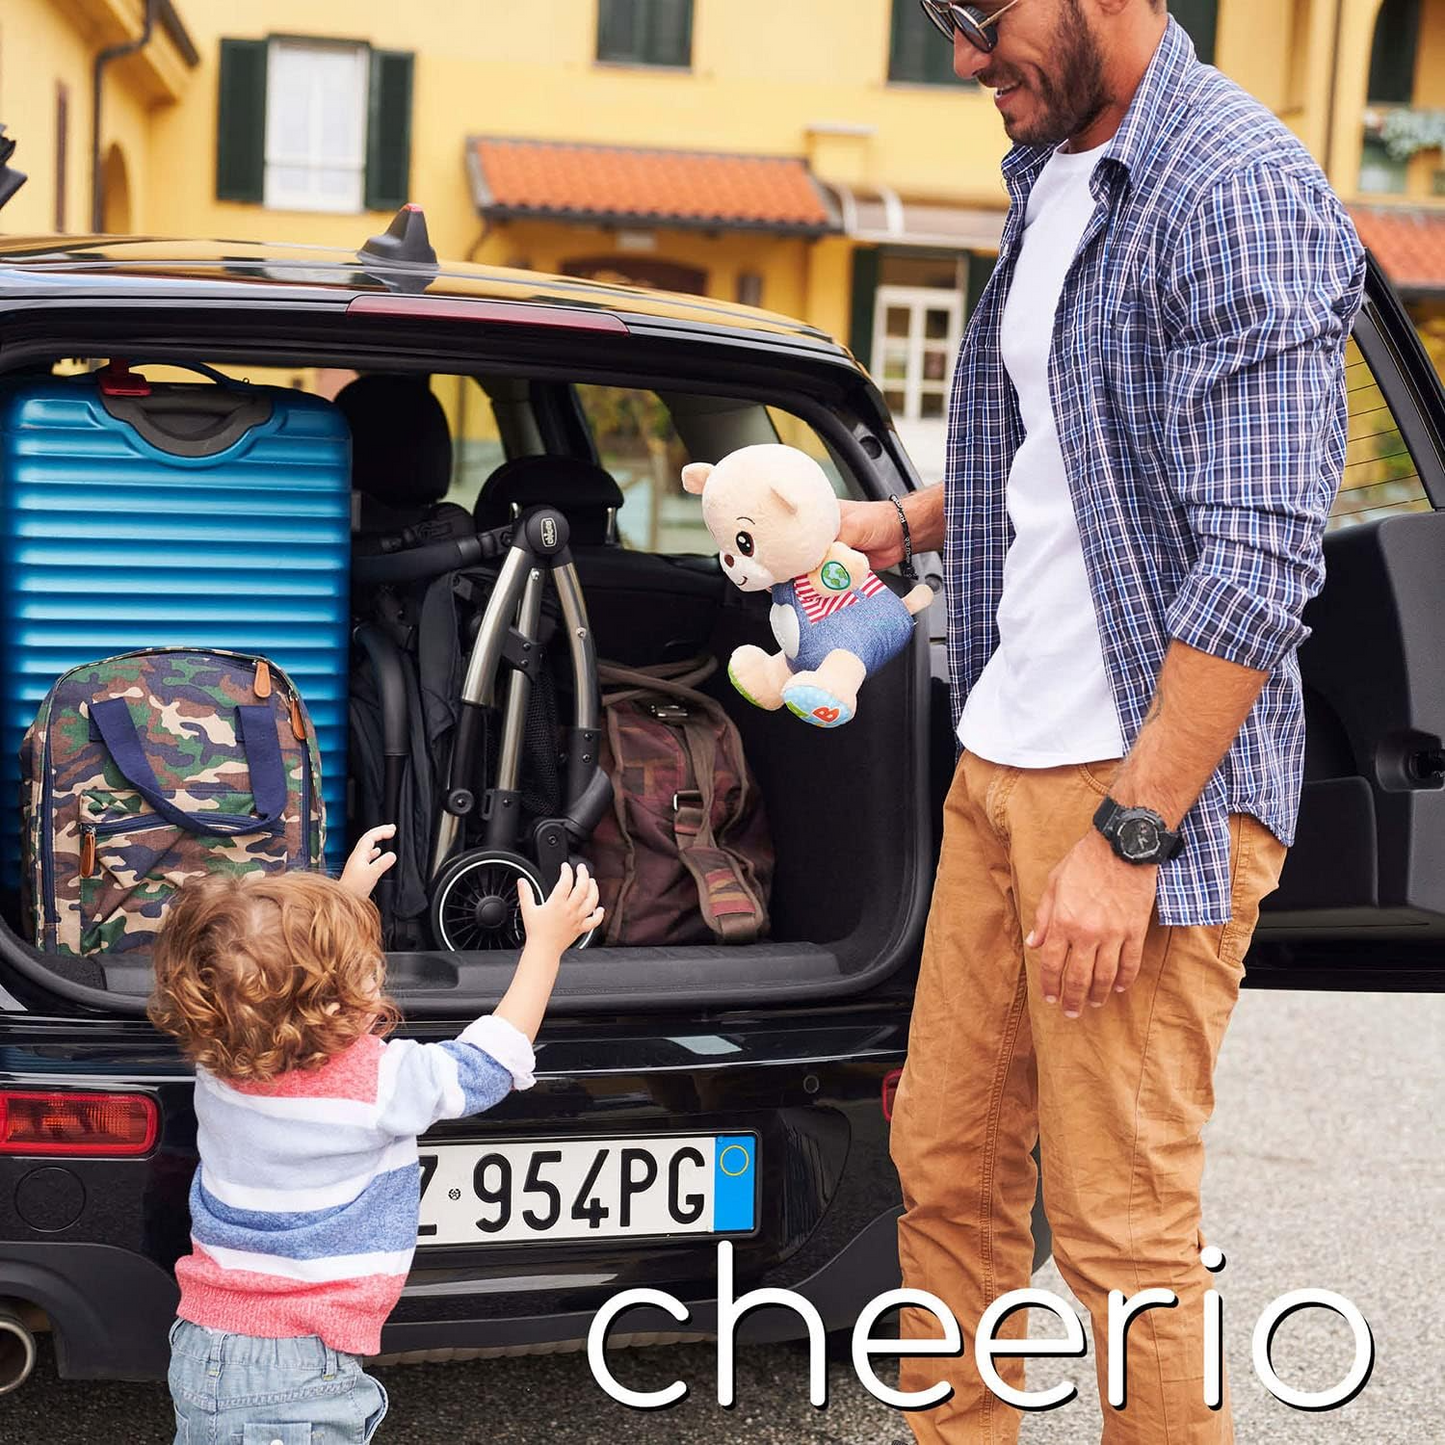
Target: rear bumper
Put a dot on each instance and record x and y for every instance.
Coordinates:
(110, 1309)
(864, 1268)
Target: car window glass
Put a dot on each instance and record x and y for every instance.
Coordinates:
(1380, 476)
(793, 431)
(477, 449)
(638, 446)
(636, 433)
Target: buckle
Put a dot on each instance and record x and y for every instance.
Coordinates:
(669, 711)
(691, 795)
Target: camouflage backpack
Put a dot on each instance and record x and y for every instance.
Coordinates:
(148, 769)
(685, 855)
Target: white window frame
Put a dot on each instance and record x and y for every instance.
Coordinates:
(917, 301)
(290, 151)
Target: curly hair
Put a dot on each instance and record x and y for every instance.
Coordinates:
(259, 975)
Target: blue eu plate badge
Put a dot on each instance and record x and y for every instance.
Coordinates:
(734, 1183)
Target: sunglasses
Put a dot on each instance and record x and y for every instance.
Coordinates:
(980, 30)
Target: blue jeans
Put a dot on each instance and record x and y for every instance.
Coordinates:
(243, 1390)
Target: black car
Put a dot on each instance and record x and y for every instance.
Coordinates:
(791, 1046)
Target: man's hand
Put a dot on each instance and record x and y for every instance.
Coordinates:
(367, 862)
(1090, 925)
(873, 529)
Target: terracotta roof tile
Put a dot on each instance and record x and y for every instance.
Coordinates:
(1409, 242)
(621, 184)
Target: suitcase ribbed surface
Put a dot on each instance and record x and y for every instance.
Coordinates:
(108, 543)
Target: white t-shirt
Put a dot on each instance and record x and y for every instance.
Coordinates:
(1044, 697)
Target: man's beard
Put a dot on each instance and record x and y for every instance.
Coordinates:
(1071, 97)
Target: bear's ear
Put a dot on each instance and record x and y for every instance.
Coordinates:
(694, 477)
(788, 504)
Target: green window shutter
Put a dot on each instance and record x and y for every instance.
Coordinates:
(645, 32)
(917, 53)
(388, 131)
(617, 30)
(865, 294)
(1392, 60)
(241, 122)
(980, 268)
(670, 40)
(1201, 19)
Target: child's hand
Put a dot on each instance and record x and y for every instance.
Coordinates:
(367, 862)
(568, 913)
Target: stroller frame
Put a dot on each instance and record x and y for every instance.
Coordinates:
(473, 891)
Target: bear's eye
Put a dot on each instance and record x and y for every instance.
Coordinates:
(745, 543)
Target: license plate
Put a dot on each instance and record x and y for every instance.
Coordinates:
(588, 1189)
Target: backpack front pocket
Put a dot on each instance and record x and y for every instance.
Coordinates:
(132, 860)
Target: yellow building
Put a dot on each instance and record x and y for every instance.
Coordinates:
(812, 157)
(56, 58)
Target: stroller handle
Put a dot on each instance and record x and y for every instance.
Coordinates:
(416, 563)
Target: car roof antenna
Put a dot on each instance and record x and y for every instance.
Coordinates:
(404, 242)
(10, 179)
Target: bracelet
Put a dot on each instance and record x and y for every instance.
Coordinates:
(906, 566)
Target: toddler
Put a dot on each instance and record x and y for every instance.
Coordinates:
(304, 1206)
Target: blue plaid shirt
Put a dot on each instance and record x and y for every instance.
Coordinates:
(1198, 384)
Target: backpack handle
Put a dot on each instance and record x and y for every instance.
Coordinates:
(263, 761)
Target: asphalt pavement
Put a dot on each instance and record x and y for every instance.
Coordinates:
(1327, 1170)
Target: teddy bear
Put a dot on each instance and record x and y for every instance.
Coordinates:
(775, 518)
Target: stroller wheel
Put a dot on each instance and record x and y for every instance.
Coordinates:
(474, 906)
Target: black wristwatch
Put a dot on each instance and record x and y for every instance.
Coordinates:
(1137, 835)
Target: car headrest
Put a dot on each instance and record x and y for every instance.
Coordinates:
(401, 446)
(585, 494)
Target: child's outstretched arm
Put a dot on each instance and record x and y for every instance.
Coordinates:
(569, 912)
(423, 1083)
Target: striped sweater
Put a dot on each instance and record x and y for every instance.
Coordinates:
(304, 1207)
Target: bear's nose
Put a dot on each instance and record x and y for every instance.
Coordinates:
(727, 559)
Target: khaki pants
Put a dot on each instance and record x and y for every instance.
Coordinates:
(1116, 1100)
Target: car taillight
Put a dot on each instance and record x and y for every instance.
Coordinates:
(890, 1090)
(77, 1124)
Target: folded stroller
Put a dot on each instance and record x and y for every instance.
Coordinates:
(483, 836)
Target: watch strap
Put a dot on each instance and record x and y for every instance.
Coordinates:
(1106, 820)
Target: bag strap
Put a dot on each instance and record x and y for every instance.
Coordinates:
(728, 904)
(676, 679)
(263, 761)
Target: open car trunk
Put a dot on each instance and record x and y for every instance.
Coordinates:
(848, 809)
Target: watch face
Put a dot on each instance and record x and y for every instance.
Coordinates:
(1139, 837)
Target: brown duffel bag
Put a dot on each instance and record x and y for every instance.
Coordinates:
(685, 855)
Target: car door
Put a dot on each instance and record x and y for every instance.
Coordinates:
(1361, 902)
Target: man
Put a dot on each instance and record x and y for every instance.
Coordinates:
(1146, 433)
